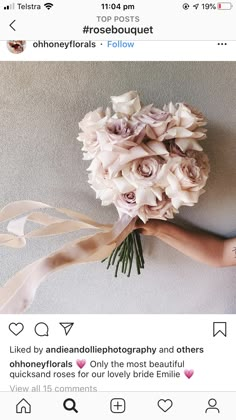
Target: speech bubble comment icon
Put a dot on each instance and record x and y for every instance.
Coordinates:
(41, 329)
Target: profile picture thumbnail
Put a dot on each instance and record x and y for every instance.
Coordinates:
(16, 47)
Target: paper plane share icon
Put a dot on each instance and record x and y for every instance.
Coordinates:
(67, 326)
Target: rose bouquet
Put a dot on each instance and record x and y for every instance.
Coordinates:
(146, 161)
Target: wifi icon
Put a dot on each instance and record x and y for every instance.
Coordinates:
(48, 5)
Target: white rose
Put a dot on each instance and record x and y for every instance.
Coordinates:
(127, 104)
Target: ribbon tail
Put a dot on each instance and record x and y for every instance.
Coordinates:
(18, 293)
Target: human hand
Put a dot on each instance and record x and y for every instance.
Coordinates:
(151, 228)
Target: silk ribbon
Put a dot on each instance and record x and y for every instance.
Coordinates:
(19, 291)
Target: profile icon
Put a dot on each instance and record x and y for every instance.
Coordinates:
(212, 403)
(16, 47)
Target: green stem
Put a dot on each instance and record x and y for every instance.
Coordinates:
(138, 257)
(123, 255)
(131, 253)
(140, 247)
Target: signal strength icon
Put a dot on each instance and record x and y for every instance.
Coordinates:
(48, 5)
(9, 7)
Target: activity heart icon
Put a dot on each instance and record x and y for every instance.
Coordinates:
(81, 363)
(165, 405)
(16, 329)
(189, 373)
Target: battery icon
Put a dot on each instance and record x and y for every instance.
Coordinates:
(224, 6)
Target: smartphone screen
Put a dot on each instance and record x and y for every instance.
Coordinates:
(117, 210)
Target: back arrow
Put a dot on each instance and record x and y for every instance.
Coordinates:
(12, 26)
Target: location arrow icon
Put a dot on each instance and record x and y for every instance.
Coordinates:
(67, 326)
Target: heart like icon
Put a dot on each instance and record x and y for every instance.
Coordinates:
(165, 405)
(16, 329)
(189, 373)
(81, 363)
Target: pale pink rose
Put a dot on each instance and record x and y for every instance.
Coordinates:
(126, 203)
(108, 188)
(120, 133)
(187, 178)
(149, 115)
(104, 189)
(163, 210)
(116, 160)
(101, 182)
(126, 104)
(186, 116)
(91, 145)
(184, 138)
(202, 161)
(156, 121)
(182, 133)
(173, 148)
(94, 120)
(143, 172)
(185, 126)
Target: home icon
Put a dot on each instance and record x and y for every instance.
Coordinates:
(23, 407)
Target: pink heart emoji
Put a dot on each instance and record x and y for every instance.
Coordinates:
(189, 373)
(81, 363)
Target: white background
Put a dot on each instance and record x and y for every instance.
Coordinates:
(213, 375)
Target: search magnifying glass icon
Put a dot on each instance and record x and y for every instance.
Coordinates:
(70, 405)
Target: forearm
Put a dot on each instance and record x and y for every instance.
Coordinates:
(201, 246)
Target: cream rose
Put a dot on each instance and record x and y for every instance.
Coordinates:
(127, 104)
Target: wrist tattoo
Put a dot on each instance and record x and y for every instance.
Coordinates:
(234, 250)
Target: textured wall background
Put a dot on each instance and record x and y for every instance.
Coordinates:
(40, 159)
